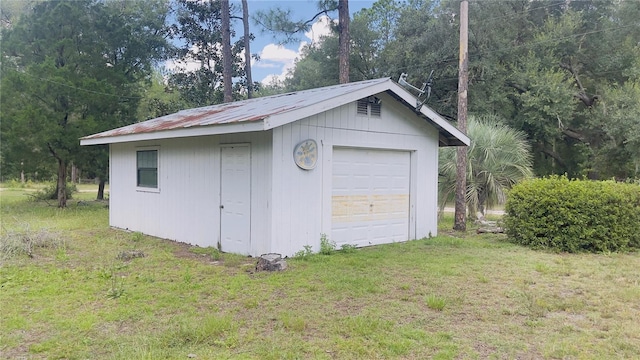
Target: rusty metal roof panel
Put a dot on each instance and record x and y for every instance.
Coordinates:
(250, 110)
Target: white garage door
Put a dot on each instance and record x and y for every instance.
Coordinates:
(370, 196)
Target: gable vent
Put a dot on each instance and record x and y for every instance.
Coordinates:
(375, 109)
(369, 106)
(362, 106)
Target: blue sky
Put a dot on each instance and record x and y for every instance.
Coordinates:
(274, 59)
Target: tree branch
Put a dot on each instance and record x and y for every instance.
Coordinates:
(324, 11)
(52, 151)
(521, 89)
(573, 134)
(276, 21)
(552, 154)
(582, 94)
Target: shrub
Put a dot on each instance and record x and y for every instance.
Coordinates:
(304, 253)
(574, 215)
(327, 247)
(50, 192)
(17, 184)
(348, 248)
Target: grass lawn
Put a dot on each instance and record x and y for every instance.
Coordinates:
(450, 297)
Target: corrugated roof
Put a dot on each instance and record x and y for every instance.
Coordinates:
(241, 111)
(268, 112)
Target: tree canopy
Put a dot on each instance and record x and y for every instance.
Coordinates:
(72, 68)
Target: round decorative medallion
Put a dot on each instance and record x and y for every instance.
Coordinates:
(305, 154)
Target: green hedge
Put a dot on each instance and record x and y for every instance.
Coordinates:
(574, 215)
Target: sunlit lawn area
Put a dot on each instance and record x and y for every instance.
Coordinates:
(450, 297)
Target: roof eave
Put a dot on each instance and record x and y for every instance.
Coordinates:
(177, 133)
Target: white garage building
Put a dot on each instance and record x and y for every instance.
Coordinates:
(356, 162)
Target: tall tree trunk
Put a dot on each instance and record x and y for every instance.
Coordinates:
(344, 40)
(247, 51)
(61, 186)
(460, 222)
(101, 189)
(226, 51)
(74, 173)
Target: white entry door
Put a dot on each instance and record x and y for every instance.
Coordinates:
(235, 199)
(370, 196)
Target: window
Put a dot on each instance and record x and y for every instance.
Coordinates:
(147, 166)
(369, 106)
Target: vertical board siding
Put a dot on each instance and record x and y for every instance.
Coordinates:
(290, 207)
(186, 207)
(302, 199)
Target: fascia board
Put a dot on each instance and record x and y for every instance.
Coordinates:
(177, 133)
(430, 114)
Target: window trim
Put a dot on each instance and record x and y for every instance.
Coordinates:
(147, 188)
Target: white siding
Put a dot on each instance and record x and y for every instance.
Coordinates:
(302, 199)
(187, 206)
(290, 207)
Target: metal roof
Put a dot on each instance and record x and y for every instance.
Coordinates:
(269, 112)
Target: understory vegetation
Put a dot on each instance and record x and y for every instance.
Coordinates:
(89, 291)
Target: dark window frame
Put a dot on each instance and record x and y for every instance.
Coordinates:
(147, 161)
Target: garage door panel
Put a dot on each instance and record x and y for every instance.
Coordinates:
(370, 197)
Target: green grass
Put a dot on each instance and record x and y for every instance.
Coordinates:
(435, 302)
(453, 296)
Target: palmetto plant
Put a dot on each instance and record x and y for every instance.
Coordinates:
(498, 157)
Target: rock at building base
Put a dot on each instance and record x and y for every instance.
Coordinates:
(271, 262)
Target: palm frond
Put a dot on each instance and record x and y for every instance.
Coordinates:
(498, 158)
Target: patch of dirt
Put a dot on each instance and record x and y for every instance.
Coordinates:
(184, 251)
(28, 338)
(570, 318)
(349, 306)
(484, 350)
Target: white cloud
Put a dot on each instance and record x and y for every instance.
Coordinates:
(319, 29)
(276, 57)
(273, 55)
